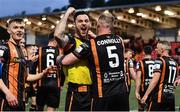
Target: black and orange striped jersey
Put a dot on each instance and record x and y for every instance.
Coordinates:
(47, 57)
(146, 66)
(128, 64)
(106, 58)
(14, 69)
(168, 69)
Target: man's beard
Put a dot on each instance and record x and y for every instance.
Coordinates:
(80, 36)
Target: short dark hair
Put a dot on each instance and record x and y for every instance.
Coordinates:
(51, 36)
(18, 20)
(80, 13)
(148, 49)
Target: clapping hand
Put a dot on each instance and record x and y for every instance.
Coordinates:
(50, 70)
(143, 100)
(11, 99)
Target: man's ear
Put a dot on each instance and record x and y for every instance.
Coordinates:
(74, 24)
(162, 50)
(8, 30)
(90, 24)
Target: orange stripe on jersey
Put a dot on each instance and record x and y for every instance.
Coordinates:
(40, 63)
(161, 80)
(58, 78)
(142, 69)
(13, 70)
(96, 59)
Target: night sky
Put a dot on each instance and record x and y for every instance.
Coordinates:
(12, 7)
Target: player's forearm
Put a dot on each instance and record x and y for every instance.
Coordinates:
(3, 87)
(153, 83)
(138, 83)
(137, 86)
(61, 26)
(133, 73)
(32, 77)
(67, 59)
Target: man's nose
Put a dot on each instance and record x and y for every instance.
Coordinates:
(83, 22)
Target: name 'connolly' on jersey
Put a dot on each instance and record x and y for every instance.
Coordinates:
(108, 41)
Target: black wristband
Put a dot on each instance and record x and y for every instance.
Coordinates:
(59, 60)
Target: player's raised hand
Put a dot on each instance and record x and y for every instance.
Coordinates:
(176, 82)
(50, 70)
(138, 97)
(70, 10)
(144, 98)
(34, 58)
(91, 34)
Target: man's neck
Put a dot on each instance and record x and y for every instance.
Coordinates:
(51, 44)
(13, 41)
(147, 56)
(165, 54)
(104, 31)
(79, 36)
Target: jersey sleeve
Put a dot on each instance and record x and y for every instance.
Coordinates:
(130, 63)
(138, 66)
(4, 53)
(82, 51)
(158, 65)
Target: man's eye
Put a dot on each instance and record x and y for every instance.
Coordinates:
(86, 20)
(15, 27)
(21, 27)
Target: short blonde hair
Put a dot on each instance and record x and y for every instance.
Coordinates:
(165, 45)
(17, 20)
(106, 19)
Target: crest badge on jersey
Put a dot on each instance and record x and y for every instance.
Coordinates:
(1, 52)
(79, 49)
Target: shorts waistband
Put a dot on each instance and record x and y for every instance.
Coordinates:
(78, 88)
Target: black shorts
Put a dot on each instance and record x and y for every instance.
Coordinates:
(78, 98)
(48, 96)
(5, 106)
(129, 87)
(30, 92)
(163, 106)
(118, 102)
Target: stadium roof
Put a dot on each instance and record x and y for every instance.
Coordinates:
(148, 16)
